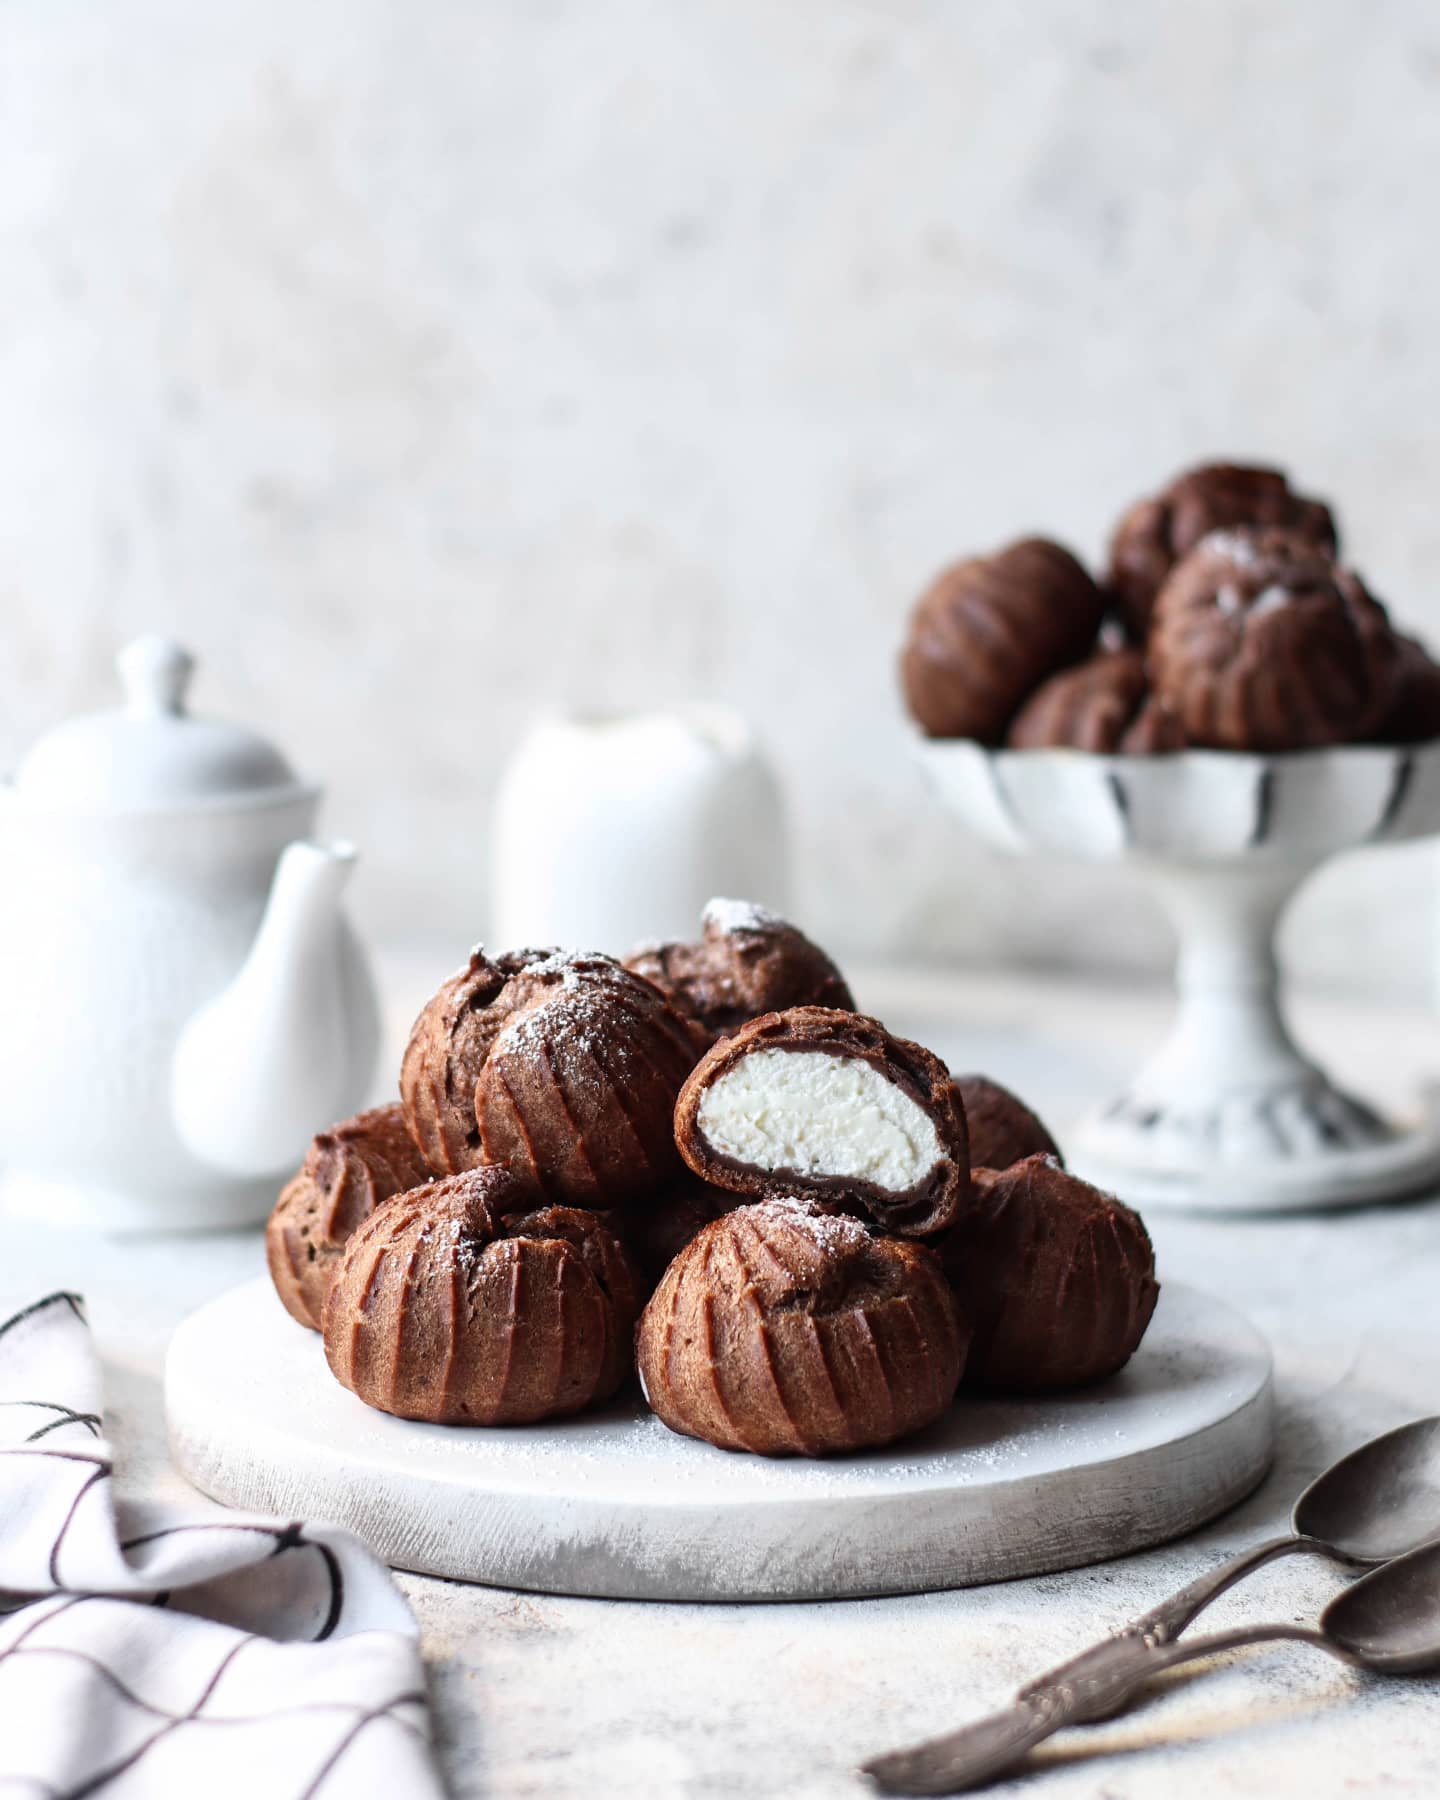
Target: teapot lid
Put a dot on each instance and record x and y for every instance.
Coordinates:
(151, 755)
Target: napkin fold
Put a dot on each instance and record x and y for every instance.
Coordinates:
(144, 1651)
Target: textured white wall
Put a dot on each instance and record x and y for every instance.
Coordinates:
(422, 364)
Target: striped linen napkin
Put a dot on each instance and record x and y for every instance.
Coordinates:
(146, 1652)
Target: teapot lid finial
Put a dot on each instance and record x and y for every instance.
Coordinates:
(155, 674)
(152, 754)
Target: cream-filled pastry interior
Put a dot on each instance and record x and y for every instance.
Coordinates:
(819, 1115)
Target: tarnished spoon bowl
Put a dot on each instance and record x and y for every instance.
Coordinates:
(1380, 1501)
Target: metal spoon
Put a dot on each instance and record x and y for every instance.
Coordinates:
(1387, 1622)
(1376, 1503)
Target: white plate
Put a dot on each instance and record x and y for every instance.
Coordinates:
(613, 1504)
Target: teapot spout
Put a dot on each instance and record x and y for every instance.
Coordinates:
(289, 1046)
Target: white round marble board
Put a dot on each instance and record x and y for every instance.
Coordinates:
(613, 1504)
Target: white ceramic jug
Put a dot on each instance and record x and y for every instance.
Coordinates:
(615, 829)
(185, 1003)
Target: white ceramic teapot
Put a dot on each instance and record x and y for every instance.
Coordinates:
(182, 1002)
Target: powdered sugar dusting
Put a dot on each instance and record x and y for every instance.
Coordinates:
(534, 1030)
(579, 1007)
(1238, 546)
(1272, 599)
(566, 965)
(831, 1231)
(738, 915)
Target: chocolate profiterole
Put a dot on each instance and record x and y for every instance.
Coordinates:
(1056, 1279)
(1002, 1128)
(1157, 533)
(568, 1070)
(348, 1171)
(469, 1302)
(824, 1103)
(748, 962)
(1261, 641)
(988, 631)
(1104, 704)
(788, 1332)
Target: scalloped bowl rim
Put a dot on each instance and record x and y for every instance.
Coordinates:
(1175, 806)
(1175, 759)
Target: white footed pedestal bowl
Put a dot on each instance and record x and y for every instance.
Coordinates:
(1229, 1115)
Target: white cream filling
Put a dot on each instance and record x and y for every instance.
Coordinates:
(819, 1115)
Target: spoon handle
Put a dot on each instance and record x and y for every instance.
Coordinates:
(977, 1753)
(1161, 1625)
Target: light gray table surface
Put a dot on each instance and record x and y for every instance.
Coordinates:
(541, 1696)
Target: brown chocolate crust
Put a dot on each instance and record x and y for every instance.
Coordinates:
(1056, 1278)
(1002, 1128)
(348, 1171)
(1413, 716)
(1261, 642)
(785, 1332)
(748, 961)
(1103, 705)
(929, 1207)
(467, 1303)
(448, 1045)
(578, 1089)
(658, 1230)
(987, 631)
(1157, 533)
(1155, 730)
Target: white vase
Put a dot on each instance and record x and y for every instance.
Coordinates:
(615, 829)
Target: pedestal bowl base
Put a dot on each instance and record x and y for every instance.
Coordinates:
(1286, 1151)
